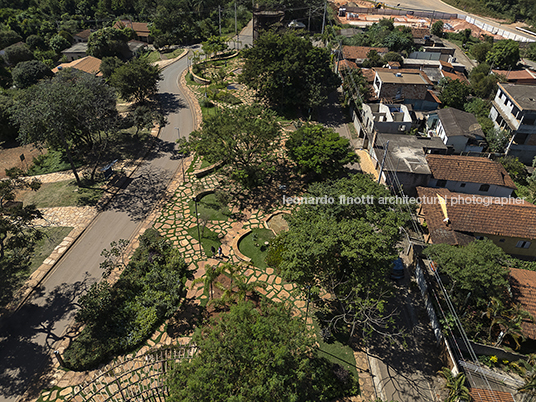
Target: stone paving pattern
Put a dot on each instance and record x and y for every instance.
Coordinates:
(172, 217)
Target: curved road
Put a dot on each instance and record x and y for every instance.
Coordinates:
(28, 337)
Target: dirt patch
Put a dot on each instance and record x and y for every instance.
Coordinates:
(10, 157)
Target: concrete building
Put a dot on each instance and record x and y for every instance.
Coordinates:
(387, 118)
(457, 129)
(514, 110)
(77, 51)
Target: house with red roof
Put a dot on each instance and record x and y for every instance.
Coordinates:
(470, 175)
(458, 219)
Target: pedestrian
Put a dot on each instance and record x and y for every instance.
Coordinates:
(213, 250)
(220, 252)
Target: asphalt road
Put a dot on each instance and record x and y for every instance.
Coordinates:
(28, 337)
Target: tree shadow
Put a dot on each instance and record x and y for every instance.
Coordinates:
(331, 114)
(146, 187)
(170, 103)
(27, 337)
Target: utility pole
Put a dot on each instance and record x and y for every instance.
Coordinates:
(219, 18)
(383, 162)
(324, 18)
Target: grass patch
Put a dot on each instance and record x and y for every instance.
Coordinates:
(45, 246)
(209, 238)
(248, 246)
(205, 164)
(175, 53)
(63, 194)
(210, 209)
(153, 56)
(190, 80)
(336, 352)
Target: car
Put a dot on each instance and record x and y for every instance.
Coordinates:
(397, 272)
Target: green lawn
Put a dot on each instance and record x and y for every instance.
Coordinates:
(45, 246)
(190, 80)
(335, 351)
(248, 246)
(63, 194)
(175, 53)
(153, 56)
(205, 164)
(208, 238)
(209, 208)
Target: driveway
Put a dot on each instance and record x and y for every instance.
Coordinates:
(27, 338)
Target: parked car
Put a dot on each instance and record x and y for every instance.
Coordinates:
(397, 272)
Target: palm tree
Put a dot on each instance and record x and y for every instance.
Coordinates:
(456, 386)
(209, 279)
(242, 286)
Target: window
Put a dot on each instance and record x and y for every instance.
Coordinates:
(479, 237)
(501, 240)
(463, 185)
(484, 187)
(441, 183)
(523, 244)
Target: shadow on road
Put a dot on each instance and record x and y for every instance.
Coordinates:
(170, 103)
(142, 191)
(21, 356)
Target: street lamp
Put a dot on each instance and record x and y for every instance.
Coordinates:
(197, 219)
(182, 155)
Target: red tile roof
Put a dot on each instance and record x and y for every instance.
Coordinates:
(140, 28)
(84, 34)
(470, 214)
(347, 64)
(456, 75)
(420, 33)
(88, 64)
(514, 75)
(523, 285)
(360, 52)
(484, 395)
(471, 169)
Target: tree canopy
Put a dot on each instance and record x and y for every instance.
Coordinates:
(73, 110)
(320, 151)
(287, 71)
(477, 271)
(244, 137)
(28, 73)
(503, 55)
(109, 42)
(136, 80)
(453, 93)
(257, 354)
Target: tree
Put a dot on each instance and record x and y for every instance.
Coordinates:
(214, 45)
(515, 168)
(453, 93)
(59, 43)
(399, 41)
(393, 56)
(457, 391)
(8, 38)
(342, 238)
(355, 86)
(244, 137)
(320, 151)
(28, 73)
(483, 84)
(136, 80)
(16, 53)
(480, 51)
(9, 130)
(109, 65)
(35, 42)
(437, 28)
(17, 232)
(503, 55)
(287, 71)
(108, 42)
(262, 354)
(477, 271)
(72, 111)
(373, 60)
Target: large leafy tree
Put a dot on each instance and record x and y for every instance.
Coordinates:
(28, 73)
(136, 80)
(288, 71)
(73, 111)
(453, 93)
(109, 42)
(477, 271)
(346, 247)
(262, 354)
(319, 150)
(503, 55)
(244, 138)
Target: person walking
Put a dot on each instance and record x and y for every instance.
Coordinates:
(213, 251)
(220, 252)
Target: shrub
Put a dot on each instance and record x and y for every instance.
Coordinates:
(121, 318)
